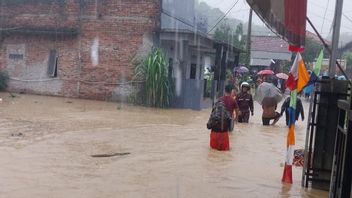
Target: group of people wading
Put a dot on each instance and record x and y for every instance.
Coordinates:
(232, 108)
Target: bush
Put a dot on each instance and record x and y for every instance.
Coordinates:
(4, 78)
(153, 69)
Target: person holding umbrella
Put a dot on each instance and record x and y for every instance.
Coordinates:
(268, 96)
(269, 105)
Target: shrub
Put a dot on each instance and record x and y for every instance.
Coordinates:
(153, 69)
(4, 78)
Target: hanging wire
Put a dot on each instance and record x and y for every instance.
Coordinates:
(223, 17)
(326, 9)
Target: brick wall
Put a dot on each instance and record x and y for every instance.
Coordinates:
(93, 64)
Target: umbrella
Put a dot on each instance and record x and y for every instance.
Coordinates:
(282, 76)
(266, 72)
(242, 69)
(267, 90)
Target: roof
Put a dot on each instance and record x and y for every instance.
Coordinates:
(260, 62)
(315, 38)
(271, 55)
(269, 44)
(202, 35)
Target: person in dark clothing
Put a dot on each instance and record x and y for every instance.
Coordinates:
(245, 103)
(299, 109)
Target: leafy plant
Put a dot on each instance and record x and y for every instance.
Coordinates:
(4, 78)
(153, 69)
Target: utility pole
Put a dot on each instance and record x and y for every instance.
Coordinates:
(249, 33)
(335, 37)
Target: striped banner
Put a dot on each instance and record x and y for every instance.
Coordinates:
(298, 78)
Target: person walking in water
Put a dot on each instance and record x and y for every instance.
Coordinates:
(269, 105)
(299, 109)
(221, 118)
(230, 103)
(245, 103)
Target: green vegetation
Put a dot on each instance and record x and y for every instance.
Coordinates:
(348, 57)
(224, 33)
(4, 78)
(153, 70)
(311, 51)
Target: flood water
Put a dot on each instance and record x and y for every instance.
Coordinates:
(46, 145)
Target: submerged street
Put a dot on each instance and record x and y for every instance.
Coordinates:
(47, 143)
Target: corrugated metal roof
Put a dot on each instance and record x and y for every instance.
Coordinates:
(271, 55)
(269, 44)
(260, 62)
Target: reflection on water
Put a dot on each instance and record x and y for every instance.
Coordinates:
(169, 153)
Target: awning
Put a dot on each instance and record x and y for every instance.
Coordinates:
(285, 17)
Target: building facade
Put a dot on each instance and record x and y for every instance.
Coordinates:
(86, 48)
(75, 48)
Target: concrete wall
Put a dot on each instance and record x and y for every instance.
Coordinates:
(95, 64)
(188, 92)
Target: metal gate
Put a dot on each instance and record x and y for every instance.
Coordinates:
(321, 133)
(340, 186)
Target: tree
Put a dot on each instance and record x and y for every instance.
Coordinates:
(348, 57)
(311, 51)
(224, 33)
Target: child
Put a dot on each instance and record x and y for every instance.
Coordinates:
(245, 103)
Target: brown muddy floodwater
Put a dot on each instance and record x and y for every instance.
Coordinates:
(46, 145)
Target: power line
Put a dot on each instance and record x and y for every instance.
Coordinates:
(326, 9)
(349, 19)
(223, 16)
(176, 18)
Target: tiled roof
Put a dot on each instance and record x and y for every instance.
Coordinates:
(269, 44)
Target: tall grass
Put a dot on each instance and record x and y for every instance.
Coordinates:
(154, 70)
(4, 78)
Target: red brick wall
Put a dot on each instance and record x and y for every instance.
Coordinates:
(118, 25)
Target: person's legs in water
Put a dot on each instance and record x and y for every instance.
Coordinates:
(240, 118)
(266, 121)
(287, 117)
(245, 117)
(219, 141)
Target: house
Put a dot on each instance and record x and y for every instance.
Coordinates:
(269, 52)
(74, 48)
(189, 48)
(85, 49)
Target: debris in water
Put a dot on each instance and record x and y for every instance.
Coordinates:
(110, 155)
(16, 134)
(69, 102)
(12, 95)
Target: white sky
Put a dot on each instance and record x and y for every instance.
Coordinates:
(316, 12)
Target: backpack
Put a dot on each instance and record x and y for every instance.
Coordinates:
(220, 119)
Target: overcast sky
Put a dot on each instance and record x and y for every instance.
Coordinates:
(316, 12)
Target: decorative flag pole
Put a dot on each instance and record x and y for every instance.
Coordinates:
(297, 80)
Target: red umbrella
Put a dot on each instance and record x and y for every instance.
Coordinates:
(266, 72)
(282, 76)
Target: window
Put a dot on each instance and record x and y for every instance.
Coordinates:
(52, 64)
(193, 71)
(16, 57)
